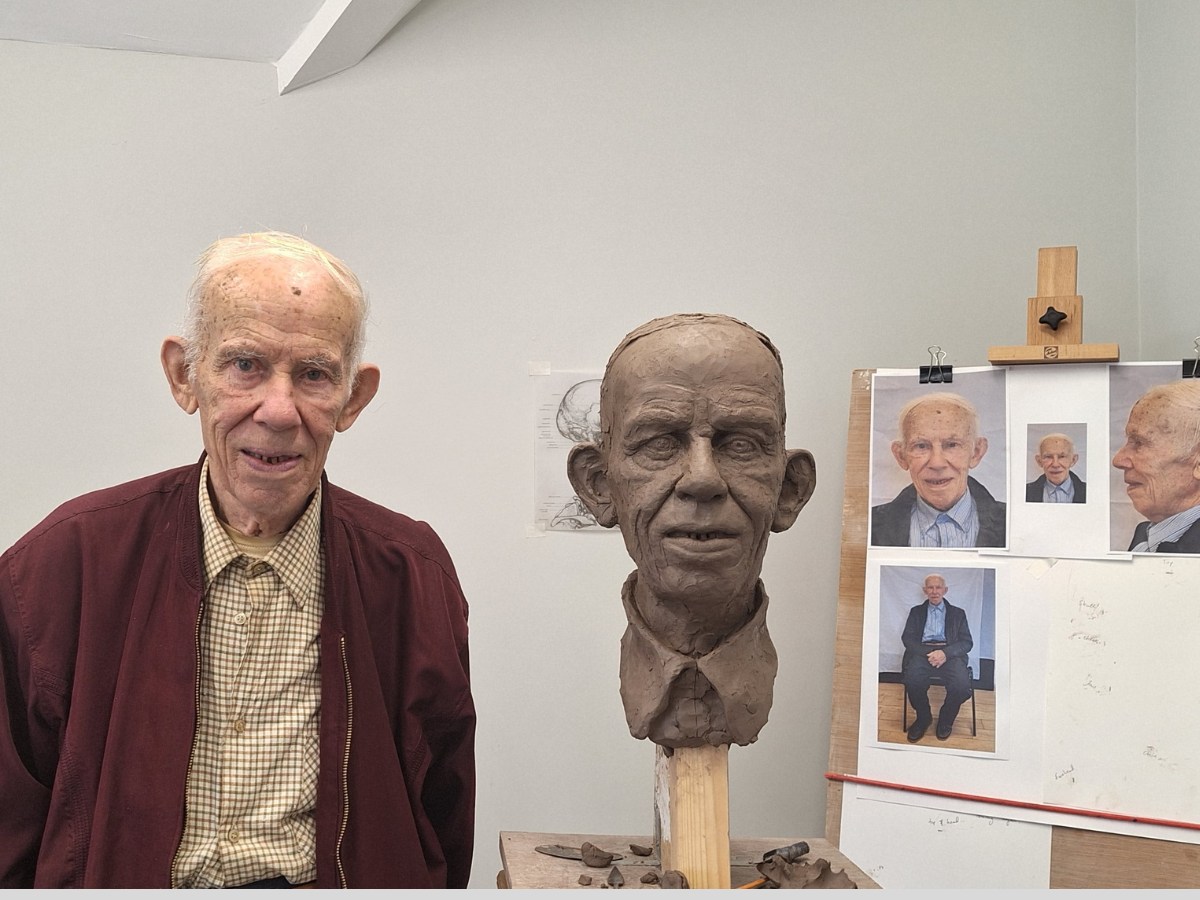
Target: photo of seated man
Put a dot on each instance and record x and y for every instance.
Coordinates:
(1156, 460)
(931, 448)
(1057, 460)
(937, 652)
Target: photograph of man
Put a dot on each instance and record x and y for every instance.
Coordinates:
(1159, 468)
(938, 442)
(1057, 457)
(937, 657)
(936, 640)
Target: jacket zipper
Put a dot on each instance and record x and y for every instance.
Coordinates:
(345, 763)
(187, 784)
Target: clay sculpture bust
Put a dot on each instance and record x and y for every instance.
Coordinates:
(691, 464)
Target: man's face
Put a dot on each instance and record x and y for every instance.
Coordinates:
(935, 589)
(1162, 474)
(696, 460)
(1056, 457)
(272, 387)
(938, 452)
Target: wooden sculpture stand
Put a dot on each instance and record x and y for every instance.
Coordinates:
(691, 813)
(1062, 341)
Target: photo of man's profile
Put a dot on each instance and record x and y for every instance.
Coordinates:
(939, 462)
(1154, 437)
(937, 657)
(1056, 462)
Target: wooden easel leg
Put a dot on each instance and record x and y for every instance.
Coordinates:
(691, 812)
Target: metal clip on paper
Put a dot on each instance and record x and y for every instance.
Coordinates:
(936, 372)
(1191, 367)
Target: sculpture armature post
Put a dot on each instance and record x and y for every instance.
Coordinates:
(691, 463)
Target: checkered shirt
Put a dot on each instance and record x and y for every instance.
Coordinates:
(252, 782)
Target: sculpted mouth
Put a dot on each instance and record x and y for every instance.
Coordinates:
(699, 535)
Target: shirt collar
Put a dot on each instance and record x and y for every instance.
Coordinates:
(1067, 489)
(294, 559)
(744, 660)
(1171, 528)
(962, 512)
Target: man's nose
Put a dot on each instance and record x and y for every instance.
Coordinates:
(278, 407)
(1121, 460)
(701, 479)
(937, 456)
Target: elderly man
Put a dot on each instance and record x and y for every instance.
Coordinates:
(1160, 462)
(691, 463)
(1057, 483)
(936, 640)
(939, 444)
(236, 673)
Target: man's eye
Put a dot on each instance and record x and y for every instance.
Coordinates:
(244, 364)
(315, 375)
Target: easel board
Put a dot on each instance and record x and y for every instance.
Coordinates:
(1077, 852)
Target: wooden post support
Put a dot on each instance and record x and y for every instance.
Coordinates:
(691, 812)
(1063, 340)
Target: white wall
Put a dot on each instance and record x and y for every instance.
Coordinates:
(1168, 75)
(526, 180)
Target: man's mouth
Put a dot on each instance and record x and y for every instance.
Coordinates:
(270, 459)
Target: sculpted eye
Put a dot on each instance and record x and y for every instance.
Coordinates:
(740, 446)
(659, 448)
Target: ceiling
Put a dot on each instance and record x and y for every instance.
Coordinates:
(305, 39)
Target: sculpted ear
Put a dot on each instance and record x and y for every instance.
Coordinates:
(799, 480)
(589, 477)
(175, 368)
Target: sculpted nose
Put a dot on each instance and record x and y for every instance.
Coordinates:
(278, 407)
(701, 479)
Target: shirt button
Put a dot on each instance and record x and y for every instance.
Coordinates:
(234, 835)
(239, 724)
(240, 619)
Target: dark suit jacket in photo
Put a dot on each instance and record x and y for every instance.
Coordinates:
(890, 521)
(1189, 541)
(958, 633)
(1035, 490)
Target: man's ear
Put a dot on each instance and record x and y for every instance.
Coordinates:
(799, 479)
(589, 477)
(365, 386)
(980, 450)
(175, 368)
(898, 453)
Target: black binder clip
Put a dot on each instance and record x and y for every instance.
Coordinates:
(936, 372)
(1191, 367)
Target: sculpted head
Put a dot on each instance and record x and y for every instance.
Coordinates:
(270, 358)
(939, 444)
(1055, 457)
(691, 460)
(1160, 459)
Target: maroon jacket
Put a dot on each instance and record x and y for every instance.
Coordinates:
(99, 614)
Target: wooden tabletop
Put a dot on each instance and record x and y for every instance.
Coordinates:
(525, 867)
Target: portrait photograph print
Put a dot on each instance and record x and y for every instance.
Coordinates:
(937, 657)
(939, 473)
(1056, 462)
(1154, 437)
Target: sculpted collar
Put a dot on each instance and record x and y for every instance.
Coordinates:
(741, 670)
